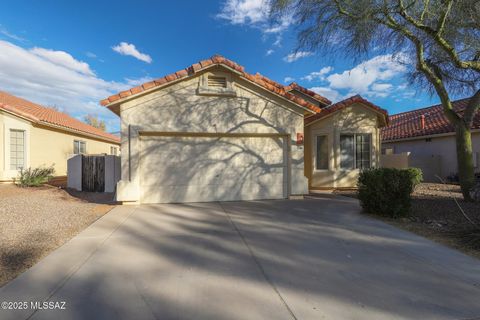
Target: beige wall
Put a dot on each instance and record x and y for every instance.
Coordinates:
(353, 119)
(44, 146)
(180, 108)
(442, 147)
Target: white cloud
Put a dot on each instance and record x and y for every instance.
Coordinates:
(381, 86)
(51, 81)
(370, 78)
(64, 59)
(138, 81)
(254, 13)
(129, 49)
(90, 54)
(288, 79)
(361, 78)
(297, 55)
(328, 93)
(320, 75)
(278, 41)
(244, 11)
(8, 34)
(269, 52)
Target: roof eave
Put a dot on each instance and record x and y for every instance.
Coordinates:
(384, 116)
(113, 106)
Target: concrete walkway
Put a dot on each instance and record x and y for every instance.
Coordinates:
(304, 259)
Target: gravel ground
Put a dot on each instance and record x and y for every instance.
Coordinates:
(435, 215)
(35, 221)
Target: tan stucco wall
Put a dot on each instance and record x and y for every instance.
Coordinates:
(442, 147)
(353, 119)
(44, 146)
(55, 147)
(179, 108)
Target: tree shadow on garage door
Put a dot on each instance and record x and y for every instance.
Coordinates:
(209, 168)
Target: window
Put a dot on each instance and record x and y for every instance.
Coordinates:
(113, 151)
(387, 150)
(217, 82)
(355, 151)
(362, 148)
(79, 147)
(321, 156)
(17, 149)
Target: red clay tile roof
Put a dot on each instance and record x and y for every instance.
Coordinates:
(258, 79)
(314, 95)
(343, 104)
(408, 124)
(47, 116)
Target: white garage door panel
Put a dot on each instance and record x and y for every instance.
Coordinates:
(195, 169)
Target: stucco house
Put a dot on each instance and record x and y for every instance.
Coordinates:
(213, 132)
(32, 135)
(425, 139)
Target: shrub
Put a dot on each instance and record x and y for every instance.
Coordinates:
(387, 191)
(35, 177)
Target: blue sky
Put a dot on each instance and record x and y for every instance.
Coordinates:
(73, 54)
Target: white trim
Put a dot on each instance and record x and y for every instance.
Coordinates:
(14, 124)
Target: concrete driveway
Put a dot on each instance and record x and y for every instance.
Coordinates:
(304, 259)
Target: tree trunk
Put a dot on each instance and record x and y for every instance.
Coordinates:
(466, 173)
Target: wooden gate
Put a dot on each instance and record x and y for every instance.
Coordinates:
(93, 173)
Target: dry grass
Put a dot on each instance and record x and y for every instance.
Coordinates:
(435, 215)
(35, 221)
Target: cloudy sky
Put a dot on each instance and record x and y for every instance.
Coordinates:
(73, 54)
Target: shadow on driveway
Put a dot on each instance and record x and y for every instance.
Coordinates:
(306, 259)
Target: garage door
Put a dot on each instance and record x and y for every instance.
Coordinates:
(212, 168)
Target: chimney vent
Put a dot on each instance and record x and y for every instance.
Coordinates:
(422, 122)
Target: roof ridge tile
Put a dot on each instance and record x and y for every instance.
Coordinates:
(259, 79)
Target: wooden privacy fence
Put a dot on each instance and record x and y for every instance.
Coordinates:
(94, 173)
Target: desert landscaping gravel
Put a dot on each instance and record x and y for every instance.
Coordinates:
(35, 221)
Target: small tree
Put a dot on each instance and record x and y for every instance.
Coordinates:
(94, 121)
(438, 39)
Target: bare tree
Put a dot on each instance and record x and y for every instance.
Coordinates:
(94, 121)
(438, 39)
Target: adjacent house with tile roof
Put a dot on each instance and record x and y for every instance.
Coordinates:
(213, 131)
(32, 135)
(424, 138)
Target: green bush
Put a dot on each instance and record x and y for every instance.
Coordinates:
(35, 177)
(387, 191)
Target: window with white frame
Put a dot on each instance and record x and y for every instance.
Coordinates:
(113, 151)
(321, 154)
(17, 149)
(79, 147)
(355, 151)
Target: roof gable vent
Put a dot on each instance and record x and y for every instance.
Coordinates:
(217, 82)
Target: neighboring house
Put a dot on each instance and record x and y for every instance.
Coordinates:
(32, 135)
(425, 139)
(215, 132)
